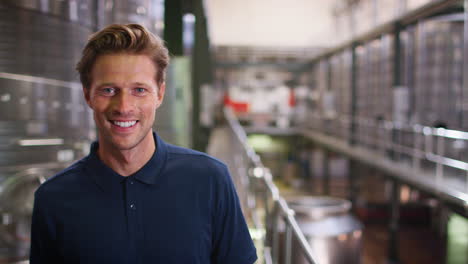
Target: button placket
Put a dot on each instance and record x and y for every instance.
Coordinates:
(131, 195)
(132, 205)
(131, 202)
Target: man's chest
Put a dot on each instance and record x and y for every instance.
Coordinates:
(137, 225)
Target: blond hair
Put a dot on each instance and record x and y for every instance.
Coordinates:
(129, 38)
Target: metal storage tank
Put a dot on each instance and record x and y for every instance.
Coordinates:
(439, 90)
(340, 87)
(374, 88)
(362, 83)
(44, 123)
(319, 76)
(333, 233)
(149, 13)
(44, 120)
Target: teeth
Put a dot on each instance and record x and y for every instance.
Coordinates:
(124, 124)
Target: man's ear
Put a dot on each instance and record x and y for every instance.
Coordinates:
(86, 94)
(161, 91)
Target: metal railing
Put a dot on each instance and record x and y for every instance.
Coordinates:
(275, 207)
(425, 149)
(443, 148)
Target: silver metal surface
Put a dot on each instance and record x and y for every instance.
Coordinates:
(44, 121)
(16, 203)
(327, 221)
(148, 13)
(288, 245)
(317, 208)
(439, 57)
(465, 68)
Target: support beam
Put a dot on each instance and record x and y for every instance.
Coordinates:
(395, 199)
(394, 224)
(201, 74)
(173, 27)
(353, 182)
(353, 99)
(397, 80)
(353, 173)
(397, 65)
(326, 172)
(464, 112)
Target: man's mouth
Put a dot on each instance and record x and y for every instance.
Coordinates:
(124, 123)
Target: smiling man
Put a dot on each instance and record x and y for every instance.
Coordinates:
(135, 198)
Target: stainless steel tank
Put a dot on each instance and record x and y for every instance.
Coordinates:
(44, 124)
(439, 93)
(149, 13)
(16, 203)
(332, 231)
(40, 97)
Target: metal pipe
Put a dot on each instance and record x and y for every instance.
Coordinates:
(267, 255)
(466, 182)
(291, 220)
(288, 245)
(275, 235)
(447, 161)
(465, 56)
(417, 146)
(440, 165)
(303, 243)
(268, 220)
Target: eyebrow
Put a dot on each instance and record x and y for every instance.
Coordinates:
(114, 85)
(140, 84)
(106, 84)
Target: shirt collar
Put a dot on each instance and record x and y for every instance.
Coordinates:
(151, 172)
(106, 178)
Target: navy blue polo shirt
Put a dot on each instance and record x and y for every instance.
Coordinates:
(181, 207)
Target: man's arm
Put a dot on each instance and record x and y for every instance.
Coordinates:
(43, 242)
(232, 241)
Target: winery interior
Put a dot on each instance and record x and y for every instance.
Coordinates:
(344, 123)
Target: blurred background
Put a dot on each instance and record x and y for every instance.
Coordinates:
(344, 122)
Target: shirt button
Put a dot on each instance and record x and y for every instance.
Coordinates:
(131, 182)
(133, 207)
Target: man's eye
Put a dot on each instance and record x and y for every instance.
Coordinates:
(107, 91)
(140, 90)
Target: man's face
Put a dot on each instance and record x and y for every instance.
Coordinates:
(124, 97)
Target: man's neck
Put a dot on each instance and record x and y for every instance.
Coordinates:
(127, 162)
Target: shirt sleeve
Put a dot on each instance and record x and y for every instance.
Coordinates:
(43, 244)
(232, 241)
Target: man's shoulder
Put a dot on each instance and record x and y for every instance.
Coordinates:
(63, 180)
(177, 152)
(196, 162)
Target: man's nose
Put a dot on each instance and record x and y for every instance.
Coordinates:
(123, 104)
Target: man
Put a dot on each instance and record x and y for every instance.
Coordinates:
(135, 198)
